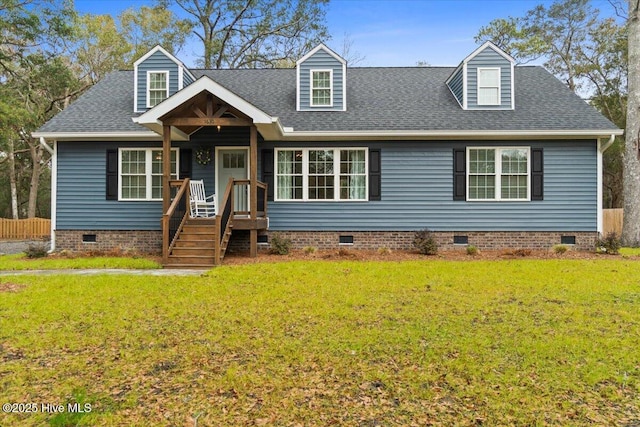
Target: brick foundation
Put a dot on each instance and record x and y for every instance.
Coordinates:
(151, 241)
(108, 240)
(403, 240)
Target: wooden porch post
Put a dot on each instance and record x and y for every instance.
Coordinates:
(253, 189)
(166, 167)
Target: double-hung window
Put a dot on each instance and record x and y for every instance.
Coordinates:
(321, 88)
(321, 174)
(157, 87)
(498, 173)
(488, 86)
(141, 173)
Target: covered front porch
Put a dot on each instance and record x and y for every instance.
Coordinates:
(227, 169)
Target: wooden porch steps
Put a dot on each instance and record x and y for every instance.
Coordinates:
(195, 247)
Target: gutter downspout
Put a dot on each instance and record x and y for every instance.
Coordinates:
(608, 144)
(602, 147)
(44, 144)
(54, 179)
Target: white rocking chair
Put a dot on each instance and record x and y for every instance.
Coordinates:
(201, 205)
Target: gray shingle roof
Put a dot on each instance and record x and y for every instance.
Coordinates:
(106, 107)
(409, 99)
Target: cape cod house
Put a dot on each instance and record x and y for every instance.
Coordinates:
(486, 153)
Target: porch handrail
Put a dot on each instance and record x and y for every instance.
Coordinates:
(224, 220)
(262, 194)
(169, 236)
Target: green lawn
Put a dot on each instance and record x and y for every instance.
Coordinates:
(521, 342)
(21, 262)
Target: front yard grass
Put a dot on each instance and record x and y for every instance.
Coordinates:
(520, 342)
(21, 262)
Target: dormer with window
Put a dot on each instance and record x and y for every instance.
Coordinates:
(484, 80)
(157, 76)
(321, 81)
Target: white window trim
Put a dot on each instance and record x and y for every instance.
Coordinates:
(499, 70)
(498, 174)
(336, 174)
(311, 88)
(166, 73)
(148, 171)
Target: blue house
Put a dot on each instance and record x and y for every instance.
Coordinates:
(486, 153)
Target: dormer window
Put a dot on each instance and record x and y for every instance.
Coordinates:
(321, 88)
(488, 86)
(484, 80)
(157, 87)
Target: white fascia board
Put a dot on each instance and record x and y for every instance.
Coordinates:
(176, 134)
(513, 86)
(96, 136)
(204, 83)
(160, 49)
(297, 88)
(344, 86)
(453, 74)
(495, 48)
(321, 46)
(465, 88)
(135, 89)
(446, 135)
(454, 96)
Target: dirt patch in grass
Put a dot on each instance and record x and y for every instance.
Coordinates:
(236, 258)
(11, 287)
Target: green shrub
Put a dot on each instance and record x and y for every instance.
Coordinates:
(280, 245)
(611, 244)
(309, 250)
(36, 250)
(472, 250)
(425, 242)
(560, 249)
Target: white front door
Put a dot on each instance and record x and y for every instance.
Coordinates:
(233, 163)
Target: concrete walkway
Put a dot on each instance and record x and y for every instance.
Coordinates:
(105, 271)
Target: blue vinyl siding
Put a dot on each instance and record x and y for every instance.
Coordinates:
(456, 85)
(489, 58)
(186, 78)
(417, 186)
(156, 62)
(81, 182)
(321, 60)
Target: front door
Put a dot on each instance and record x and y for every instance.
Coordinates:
(233, 163)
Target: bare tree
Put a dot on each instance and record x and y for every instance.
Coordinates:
(350, 55)
(254, 33)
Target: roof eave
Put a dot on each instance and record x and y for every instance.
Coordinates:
(108, 136)
(426, 135)
(152, 117)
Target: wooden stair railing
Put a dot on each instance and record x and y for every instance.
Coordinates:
(175, 217)
(224, 223)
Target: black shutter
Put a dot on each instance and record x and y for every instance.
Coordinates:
(459, 174)
(267, 172)
(537, 174)
(112, 175)
(186, 160)
(375, 175)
